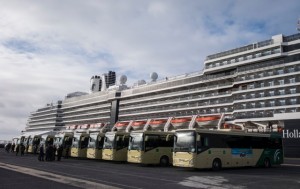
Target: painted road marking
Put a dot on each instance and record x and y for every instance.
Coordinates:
(57, 178)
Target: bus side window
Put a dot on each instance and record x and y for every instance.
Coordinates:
(152, 142)
(204, 141)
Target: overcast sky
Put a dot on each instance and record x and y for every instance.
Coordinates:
(51, 48)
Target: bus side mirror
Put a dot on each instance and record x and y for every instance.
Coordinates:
(198, 138)
(168, 137)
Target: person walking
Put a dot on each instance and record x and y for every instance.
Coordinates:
(22, 149)
(13, 147)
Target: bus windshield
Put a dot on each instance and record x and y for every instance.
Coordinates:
(109, 141)
(136, 141)
(92, 142)
(75, 143)
(185, 141)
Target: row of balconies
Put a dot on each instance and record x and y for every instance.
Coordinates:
(240, 49)
(86, 110)
(268, 93)
(268, 103)
(86, 102)
(58, 119)
(269, 84)
(269, 73)
(243, 58)
(258, 94)
(262, 84)
(262, 114)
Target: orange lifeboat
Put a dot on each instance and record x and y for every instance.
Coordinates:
(72, 127)
(95, 125)
(158, 123)
(180, 122)
(208, 121)
(231, 126)
(85, 126)
(136, 125)
(121, 124)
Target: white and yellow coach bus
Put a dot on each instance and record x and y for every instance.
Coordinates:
(151, 147)
(95, 145)
(80, 141)
(199, 148)
(116, 143)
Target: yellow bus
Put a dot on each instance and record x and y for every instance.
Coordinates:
(33, 143)
(115, 146)
(64, 140)
(80, 144)
(199, 148)
(151, 147)
(95, 145)
(47, 139)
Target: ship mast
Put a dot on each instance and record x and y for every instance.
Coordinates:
(298, 25)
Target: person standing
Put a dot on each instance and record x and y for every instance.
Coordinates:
(54, 152)
(59, 152)
(13, 147)
(41, 154)
(17, 149)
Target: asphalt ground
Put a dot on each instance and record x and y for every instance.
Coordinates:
(27, 172)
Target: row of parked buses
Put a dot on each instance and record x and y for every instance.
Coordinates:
(195, 141)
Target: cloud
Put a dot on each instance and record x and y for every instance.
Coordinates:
(49, 49)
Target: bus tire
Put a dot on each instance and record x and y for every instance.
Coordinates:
(164, 161)
(267, 163)
(216, 164)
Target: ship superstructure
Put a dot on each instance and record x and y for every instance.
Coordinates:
(48, 118)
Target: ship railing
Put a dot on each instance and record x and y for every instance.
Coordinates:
(291, 37)
(240, 49)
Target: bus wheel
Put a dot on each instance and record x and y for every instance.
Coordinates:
(267, 163)
(164, 161)
(216, 165)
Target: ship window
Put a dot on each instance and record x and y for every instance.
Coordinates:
(271, 83)
(262, 84)
(271, 93)
(292, 80)
(292, 69)
(293, 90)
(282, 102)
(262, 94)
(281, 82)
(282, 92)
(280, 71)
(293, 101)
(262, 104)
(272, 103)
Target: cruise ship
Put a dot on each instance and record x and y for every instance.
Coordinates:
(253, 85)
